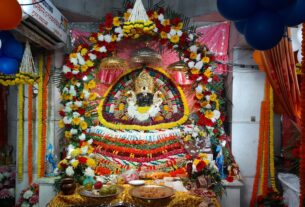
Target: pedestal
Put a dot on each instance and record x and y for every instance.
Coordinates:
(231, 197)
(46, 190)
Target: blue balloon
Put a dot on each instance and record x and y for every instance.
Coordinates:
(294, 14)
(240, 26)
(264, 30)
(276, 4)
(237, 9)
(13, 49)
(8, 65)
(5, 35)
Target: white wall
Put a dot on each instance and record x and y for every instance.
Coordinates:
(248, 92)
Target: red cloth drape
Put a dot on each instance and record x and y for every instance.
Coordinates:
(279, 65)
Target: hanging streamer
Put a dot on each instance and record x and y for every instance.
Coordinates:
(20, 132)
(39, 114)
(30, 133)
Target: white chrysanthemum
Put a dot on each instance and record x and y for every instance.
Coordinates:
(108, 38)
(89, 172)
(179, 33)
(194, 48)
(199, 65)
(92, 56)
(66, 69)
(67, 120)
(86, 94)
(12, 191)
(173, 32)
(191, 37)
(70, 103)
(216, 115)
(210, 80)
(28, 194)
(100, 37)
(81, 60)
(78, 103)
(118, 30)
(82, 137)
(84, 150)
(65, 90)
(90, 141)
(73, 131)
(72, 91)
(74, 72)
(75, 114)
(70, 149)
(191, 64)
(199, 89)
(35, 205)
(161, 17)
(67, 109)
(198, 58)
(74, 61)
(103, 49)
(156, 29)
(70, 171)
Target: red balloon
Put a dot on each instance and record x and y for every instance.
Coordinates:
(10, 14)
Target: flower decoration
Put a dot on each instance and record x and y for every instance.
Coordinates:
(29, 196)
(77, 88)
(7, 186)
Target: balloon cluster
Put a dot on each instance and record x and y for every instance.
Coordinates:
(11, 52)
(263, 21)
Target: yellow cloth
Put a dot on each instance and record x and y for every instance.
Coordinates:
(180, 199)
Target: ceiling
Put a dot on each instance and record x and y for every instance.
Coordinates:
(94, 10)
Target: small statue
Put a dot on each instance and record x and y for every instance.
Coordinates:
(219, 161)
(50, 161)
(143, 103)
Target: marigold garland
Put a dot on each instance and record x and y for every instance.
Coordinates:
(20, 132)
(302, 141)
(272, 170)
(39, 114)
(44, 115)
(30, 133)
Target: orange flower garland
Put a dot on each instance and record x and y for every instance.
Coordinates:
(44, 115)
(302, 155)
(259, 155)
(30, 133)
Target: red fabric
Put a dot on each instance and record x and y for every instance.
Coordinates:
(216, 38)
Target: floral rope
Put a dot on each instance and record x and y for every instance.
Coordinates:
(20, 132)
(30, 133)
(39, 114)
(302, 141)
(272, 170)
(44, 115)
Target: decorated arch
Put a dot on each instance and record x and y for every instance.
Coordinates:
(113, 132)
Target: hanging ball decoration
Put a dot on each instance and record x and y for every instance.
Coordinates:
(10, 14)
(145, 56)
(264, 30)
(276, 4)
(179, 73)
(236, 9)
(13, 49)
(8, 65)
(294, 14)
(240, 26)
(113, 63)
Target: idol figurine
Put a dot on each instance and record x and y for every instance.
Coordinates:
(143, 102)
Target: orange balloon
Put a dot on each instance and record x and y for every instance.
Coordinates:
(10, 14)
